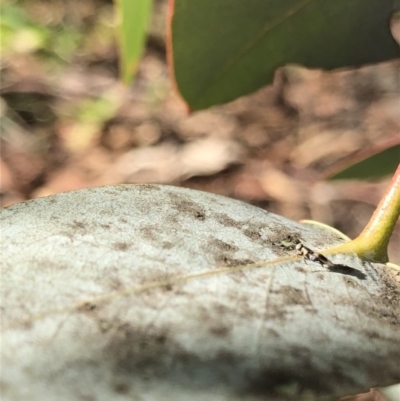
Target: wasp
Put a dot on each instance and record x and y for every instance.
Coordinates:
(309, 254)
(306, 253)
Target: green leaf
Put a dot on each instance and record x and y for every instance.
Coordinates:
(223, 49)
(131, 32)
(374, 162)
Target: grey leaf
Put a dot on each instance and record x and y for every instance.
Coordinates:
(139, 293)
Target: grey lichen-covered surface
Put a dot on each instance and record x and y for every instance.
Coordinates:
(96, 306)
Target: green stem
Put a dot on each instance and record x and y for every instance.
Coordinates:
(373, 241)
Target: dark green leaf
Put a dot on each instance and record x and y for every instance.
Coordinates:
(375, 162)
(222, 49)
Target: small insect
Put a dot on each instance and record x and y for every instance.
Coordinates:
(309, 254)
(292, 243)
(306, 253)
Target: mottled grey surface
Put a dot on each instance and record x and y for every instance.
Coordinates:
(83, 317)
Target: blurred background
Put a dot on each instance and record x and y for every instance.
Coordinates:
(67, 122)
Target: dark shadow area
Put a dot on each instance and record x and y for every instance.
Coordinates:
(349, 271)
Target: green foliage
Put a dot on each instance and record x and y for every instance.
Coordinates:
(19, 34)
(131, 31)
(223, 49)
(379, 165)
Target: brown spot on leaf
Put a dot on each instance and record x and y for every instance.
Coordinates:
(149, 232)
(225, 220)
(253, 234)
(188, 207)
(222, 245)
(293, 296)
(121, 388)
(224, 260)
(167, 245)
(87, 307)
(220, 331)
(121, 246)
(78, 225)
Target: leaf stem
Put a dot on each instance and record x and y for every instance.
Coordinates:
(373, 241)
